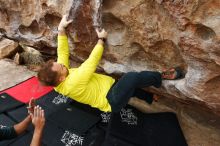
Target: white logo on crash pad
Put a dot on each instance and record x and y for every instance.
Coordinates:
(128, 116)
(2, 126)
(105, 117)
(71, 139)
(60, 99)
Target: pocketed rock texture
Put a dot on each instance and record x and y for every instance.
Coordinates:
(143, 35)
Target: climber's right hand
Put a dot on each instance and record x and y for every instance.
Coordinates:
(102, 34)
(64, 23)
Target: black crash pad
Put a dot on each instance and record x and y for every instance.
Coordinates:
(114, 141)
(156, 129)
(162, 129)
(52, 134)
(51, 102)
(127, 124)
(5, 120)
(73, 118)
(19, 114)
(68, 114)
(94, 137)
(7, 102)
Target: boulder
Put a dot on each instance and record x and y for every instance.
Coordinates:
(143, 35)
(8, 48)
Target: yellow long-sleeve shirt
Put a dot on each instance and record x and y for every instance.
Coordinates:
(83, 84)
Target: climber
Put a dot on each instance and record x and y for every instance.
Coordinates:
(100, 91)
(36, 116)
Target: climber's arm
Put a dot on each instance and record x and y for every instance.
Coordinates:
(86, 69)
(63, 47)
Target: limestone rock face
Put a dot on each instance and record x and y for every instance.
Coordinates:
(152, 35)
(143, 35)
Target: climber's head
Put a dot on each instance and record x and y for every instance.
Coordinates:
(52, 73)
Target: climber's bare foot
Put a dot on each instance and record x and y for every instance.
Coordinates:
(172, 74)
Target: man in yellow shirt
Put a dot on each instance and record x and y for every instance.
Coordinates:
(85, 86)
